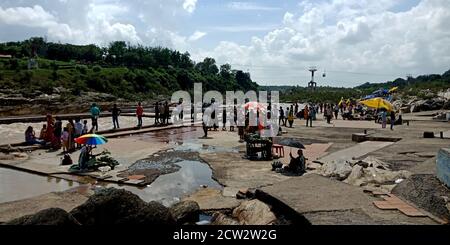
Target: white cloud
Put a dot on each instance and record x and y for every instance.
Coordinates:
(34, 16)
(244, 28)
(250, 6)
(189, 5)
(344, 37)
(196, 36)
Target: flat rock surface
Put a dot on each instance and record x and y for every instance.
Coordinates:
(65, 200)
(211, 199)
(333, 200)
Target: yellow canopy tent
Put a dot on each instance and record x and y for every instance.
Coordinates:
(378, 103)
(393, 89)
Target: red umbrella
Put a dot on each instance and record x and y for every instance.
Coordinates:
(254, 106)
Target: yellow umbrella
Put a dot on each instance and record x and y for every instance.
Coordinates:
(393, 89)
(342, 101)
(378, 103)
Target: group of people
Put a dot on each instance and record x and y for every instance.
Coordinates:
(162, 113)
(57, 136)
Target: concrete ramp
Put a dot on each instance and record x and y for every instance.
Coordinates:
(355, 151)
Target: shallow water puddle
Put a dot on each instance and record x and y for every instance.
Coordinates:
(17, 185)
(170, 188)
(167, 189)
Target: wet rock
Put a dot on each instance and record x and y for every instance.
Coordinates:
(427, 192)
(185, 212)
(254, 212)
(222, 219)
(339, 169)
(113, 206)
(51, 216)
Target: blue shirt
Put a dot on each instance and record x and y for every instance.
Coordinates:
(95, 111)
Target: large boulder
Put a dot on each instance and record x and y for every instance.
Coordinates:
(185, 212)
(339, 169)
(222, 219)
(51, 216)
(254, 212)
(427, 192)
(114, 206)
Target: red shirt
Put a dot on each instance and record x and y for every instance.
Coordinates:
(140, 111)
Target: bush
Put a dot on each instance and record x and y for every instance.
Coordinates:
(1, 76)
(54, 75)
(79, 86)
(47, 86)
(26, 77)
(82, 69)
(14, 64)
(97, 69)
(54, 66)
(44, 64)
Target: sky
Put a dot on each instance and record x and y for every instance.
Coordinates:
(351, 41)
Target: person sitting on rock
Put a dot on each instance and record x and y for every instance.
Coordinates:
(297, 164)
(84, 157)
(30, 137)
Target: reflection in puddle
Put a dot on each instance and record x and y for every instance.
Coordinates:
(17, 185)
(169, 188)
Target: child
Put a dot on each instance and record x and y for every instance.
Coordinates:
(65, 139)
(78, 128)
(43, 133)
(139, 114)
(85, 128)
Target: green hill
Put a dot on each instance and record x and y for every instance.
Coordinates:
(121, 69)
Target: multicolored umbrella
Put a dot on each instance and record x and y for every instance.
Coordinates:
(91, 139)
(378, 103)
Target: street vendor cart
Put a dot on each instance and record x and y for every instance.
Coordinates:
(255, 145)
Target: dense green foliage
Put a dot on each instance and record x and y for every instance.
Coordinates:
(126, 71)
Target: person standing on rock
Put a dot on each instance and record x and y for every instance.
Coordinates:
(281, 120)
(139, 114)
(95, 114)
(392, 119)
(336, 111)
(78, 129)
(71, 129)
(166, 112)
(383, 118)
(312, 116)
(291, 116)
(306, 115)
(115, 116)
(157, 113)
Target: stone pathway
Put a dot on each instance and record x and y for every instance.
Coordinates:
(356, 151)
